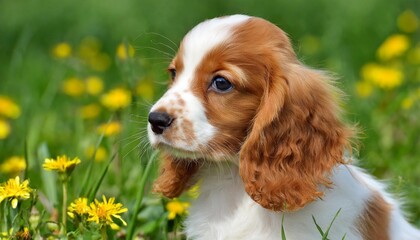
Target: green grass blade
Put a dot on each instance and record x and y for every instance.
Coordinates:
(283, 233)
(88, 174)
(140, 194)
(317, 226)
(329, 227)
(49, 179)
(94, 189)
(26, 156)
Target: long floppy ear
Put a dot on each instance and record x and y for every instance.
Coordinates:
(175, 176)
(295, 140)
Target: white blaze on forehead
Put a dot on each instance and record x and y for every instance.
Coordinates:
(196, 44)
(206, 36)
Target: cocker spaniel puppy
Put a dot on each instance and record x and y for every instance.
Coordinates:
(262, 133)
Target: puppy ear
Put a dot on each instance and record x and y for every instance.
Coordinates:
(295, 140)
(175, 176)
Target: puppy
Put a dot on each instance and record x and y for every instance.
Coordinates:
(262, 133)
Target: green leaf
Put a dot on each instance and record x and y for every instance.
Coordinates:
(149, 227)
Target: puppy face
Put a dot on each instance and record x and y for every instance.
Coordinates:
(218, 79)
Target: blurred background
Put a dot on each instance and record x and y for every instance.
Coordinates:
(74, 71)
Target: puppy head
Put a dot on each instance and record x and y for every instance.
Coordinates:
(238, 91)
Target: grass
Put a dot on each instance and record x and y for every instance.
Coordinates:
(116, 161)
(324, 234)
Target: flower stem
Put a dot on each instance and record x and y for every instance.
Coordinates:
(103, 233)
(64, 209)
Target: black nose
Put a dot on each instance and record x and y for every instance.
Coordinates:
(159, 121)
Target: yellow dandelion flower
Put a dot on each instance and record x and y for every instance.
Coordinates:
(61, 164)
(100, 155)
(13, 165)
(94, 85)
(79, 207)
(5, 129)
(9, 108)
(73, 87)
(145, 89)
(14, 190)
(109, 129)
(117, 98)
(90, 111)
(383, 77)
(393, 46)
(176, 207)
(364, 89)
(62, 50)
(125, 51)
(105, 212)
(4, 235)
(408, 102)
(407, 21)
(23, 234)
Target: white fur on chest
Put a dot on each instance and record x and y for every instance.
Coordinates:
(225, 211)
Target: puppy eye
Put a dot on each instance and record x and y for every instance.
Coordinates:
(172, 72)
(221, 84)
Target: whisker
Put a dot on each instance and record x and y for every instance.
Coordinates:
(165, 45)
(157, 50)
(134, 148)
(142, 121)
(144, 147)
(169, 40)
(130, 138)
(168, 59)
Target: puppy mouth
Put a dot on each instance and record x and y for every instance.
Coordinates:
(179, 152)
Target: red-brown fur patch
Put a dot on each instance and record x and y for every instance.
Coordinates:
(175, 176)
(374, 221)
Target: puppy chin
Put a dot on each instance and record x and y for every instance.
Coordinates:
(180, 153)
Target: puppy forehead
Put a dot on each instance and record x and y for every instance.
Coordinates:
(205, 37)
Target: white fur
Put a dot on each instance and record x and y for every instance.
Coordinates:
(225, 211)
(213, 32)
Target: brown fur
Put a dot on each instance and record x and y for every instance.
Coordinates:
(281, 118)
(374, 222)
(174, 176)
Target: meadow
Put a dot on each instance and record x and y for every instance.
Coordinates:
(77, 79)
